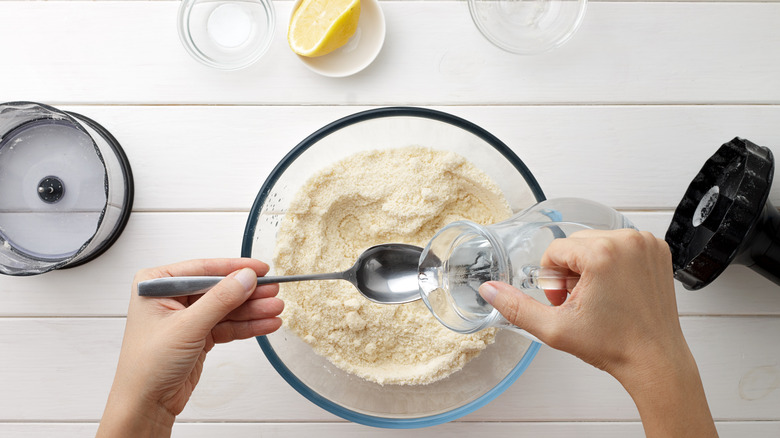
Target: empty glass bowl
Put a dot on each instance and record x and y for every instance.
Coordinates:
(346, 395)
(527, 26)
(226, 34)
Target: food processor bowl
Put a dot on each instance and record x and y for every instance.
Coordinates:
(66, 189)
(346, 395)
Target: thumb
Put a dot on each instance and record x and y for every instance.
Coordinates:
(519, 308)
(220, 300)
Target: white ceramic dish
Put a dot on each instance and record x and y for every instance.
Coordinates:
(359, 52)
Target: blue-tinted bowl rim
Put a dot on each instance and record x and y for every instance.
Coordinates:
(246, 251)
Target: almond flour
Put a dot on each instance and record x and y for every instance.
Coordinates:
(399, 195)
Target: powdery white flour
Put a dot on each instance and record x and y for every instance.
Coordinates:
(399, 195)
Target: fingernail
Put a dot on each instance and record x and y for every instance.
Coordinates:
(247, 278)
(488, 292)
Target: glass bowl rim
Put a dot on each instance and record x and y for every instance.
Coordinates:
(246, 251)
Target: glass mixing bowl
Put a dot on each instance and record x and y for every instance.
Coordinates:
(346, 395)
(527, 26)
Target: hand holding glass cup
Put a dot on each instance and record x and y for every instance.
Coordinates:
(463, 255)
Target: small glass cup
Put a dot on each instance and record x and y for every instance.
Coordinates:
(463, 255)
(527, 26)
(226, 34)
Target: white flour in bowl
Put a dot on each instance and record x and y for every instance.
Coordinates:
(399, 195)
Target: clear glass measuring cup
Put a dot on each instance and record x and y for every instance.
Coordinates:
(463, 255)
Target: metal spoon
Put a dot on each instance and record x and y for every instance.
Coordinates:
(385, 274)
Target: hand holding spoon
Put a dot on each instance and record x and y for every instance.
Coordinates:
(385, 274)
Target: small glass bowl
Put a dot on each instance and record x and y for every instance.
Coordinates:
(527, 26)
(226, 34)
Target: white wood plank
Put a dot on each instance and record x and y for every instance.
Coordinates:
(469, 430)
(635, 157)
(737, 291)
(764, 429)
(101, 287)
(61, 370)
(705, 52)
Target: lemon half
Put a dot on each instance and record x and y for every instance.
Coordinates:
(319, 27)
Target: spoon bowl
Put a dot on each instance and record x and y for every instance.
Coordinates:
(384, 274)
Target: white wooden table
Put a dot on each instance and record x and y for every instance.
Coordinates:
(625, 114)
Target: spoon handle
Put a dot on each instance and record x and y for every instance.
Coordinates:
(182, 286)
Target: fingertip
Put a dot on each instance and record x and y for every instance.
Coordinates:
(222, 299)
(232, 330)
(517, 307)
(502, 296)
(274, 305)
(265, 291)
(488, 291)
(556, 297)
(248, 279)
(261, 268)
(265, 326)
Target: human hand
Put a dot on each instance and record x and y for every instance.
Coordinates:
(621, 317)
(623, 303)
(166, 340)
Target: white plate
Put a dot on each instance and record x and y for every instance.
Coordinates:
(359, 51)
